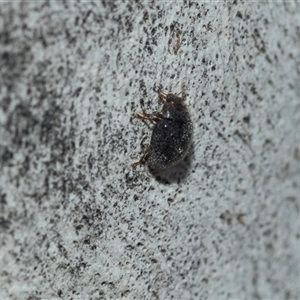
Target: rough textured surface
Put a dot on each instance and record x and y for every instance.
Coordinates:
(77, 222)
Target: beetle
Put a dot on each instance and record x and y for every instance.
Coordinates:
(171, 135)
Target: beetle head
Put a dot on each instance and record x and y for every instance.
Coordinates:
(172, 100)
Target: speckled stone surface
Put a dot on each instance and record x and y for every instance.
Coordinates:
(77, 222)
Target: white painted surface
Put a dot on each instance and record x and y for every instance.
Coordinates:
(77, 221)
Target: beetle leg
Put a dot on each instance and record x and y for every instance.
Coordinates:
(183, 87)
(143, 115)
(162, 96)
(140, 161)
(156, 117)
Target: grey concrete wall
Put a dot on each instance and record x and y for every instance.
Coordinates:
(77, 222)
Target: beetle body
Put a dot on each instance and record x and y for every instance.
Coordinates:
(171, 136)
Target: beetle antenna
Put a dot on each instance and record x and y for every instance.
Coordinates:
(163, 96)
(183, 87)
